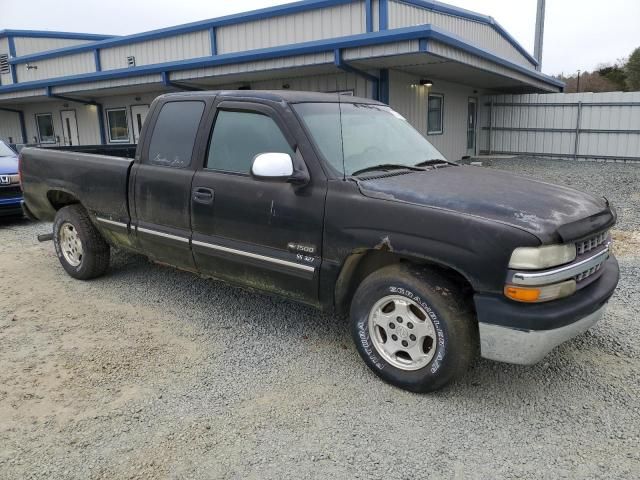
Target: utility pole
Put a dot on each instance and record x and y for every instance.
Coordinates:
(578, 86)
(539, 39)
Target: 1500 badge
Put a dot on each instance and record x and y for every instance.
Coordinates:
(301, 247)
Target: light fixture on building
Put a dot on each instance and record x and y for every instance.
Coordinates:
(423, 83)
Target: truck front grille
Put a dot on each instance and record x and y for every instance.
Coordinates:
(591, 243)
(588, 273)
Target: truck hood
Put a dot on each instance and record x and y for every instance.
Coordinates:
(8, 165)
(537, 207)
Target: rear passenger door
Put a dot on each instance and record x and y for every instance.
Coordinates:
(162, 181)
(262, 234)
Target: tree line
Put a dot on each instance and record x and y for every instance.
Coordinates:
(620, 76)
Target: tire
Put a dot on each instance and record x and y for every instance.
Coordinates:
(422, 308)
(80, 247)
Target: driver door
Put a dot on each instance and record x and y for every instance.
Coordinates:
(262, 234)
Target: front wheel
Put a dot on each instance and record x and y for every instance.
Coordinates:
(82, 251)
(413, 327)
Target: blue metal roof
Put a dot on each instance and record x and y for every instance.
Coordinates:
(51, 34)
(423, 33)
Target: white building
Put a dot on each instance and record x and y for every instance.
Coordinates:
(430, 61)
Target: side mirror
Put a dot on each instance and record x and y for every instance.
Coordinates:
(272, 166)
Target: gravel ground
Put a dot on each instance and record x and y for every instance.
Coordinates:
(150, 372)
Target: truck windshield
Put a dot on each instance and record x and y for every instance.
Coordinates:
(5, 151)
(372, 135)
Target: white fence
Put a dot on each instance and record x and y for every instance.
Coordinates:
(601, 126)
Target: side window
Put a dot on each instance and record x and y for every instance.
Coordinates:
(434, 116)
(174, 134)
(118, 125)
(239, 136)
(44, 122)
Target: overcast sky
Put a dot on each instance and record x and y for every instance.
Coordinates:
(579, 34)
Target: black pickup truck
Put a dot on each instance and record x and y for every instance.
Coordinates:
(339, 203)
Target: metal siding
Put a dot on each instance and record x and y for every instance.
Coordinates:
(560, 111)
(397, 48)
(86, 118)
(375, 5)
(320, 83)
(22, 94)
(275, 64)
(458, 55)
(10, 127)
(57, 67)
(180, 47)
(482, 35)
(338, 21)
(29, 45)
(411, 102)
(103, 84)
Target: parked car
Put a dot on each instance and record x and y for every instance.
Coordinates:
(339, 203)
(10, 193)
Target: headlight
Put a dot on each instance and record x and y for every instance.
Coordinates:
(537, 258)
(540, 294)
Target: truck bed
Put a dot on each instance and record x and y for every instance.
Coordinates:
(127, 150)
(96, 176)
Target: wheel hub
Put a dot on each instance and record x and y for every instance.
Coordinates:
(70, 244)
(402, 332)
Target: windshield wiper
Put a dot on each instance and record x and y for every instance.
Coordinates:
(434, 161)
(387, 166)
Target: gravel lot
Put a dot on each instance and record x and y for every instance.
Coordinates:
(154, 373)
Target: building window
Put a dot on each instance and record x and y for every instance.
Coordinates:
(44, 122)
(174, 134)
(239, 136)
(118, 125)
(435, 123)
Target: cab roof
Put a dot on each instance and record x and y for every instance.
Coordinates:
(288, 96)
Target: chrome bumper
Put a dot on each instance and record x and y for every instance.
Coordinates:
(526, 347)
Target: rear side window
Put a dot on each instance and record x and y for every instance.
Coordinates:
(239, 136)
(175, 133)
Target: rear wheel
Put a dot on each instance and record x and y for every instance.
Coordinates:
(82, 251)
(413, 327)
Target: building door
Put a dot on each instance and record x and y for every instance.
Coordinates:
(472, 115)
(70, 128)
(138, 114)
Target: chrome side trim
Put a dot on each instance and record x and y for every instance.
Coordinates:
(286, 263)
(562, 273)
(112, 222)
(526, 347)
(163, 235)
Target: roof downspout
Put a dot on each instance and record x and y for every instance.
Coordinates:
(12, 54)
(23, 128)
(340, 63)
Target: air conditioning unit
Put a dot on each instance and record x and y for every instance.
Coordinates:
(131, 61)
(4, 64)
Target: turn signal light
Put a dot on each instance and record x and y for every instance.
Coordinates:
(540, 294)
(522, 294)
